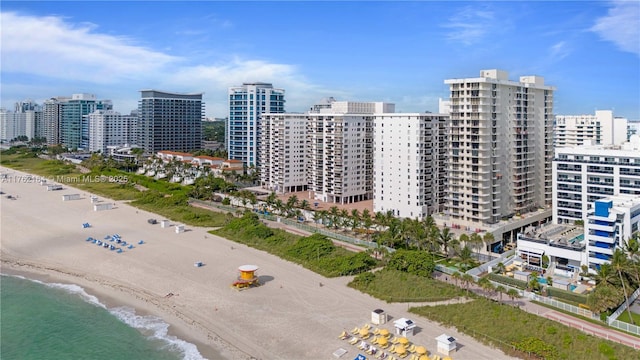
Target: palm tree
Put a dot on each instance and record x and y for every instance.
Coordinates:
(500, 266)
(464, 239)
(488, 238)
(344, 218)
(279, 206)
(271, 200)
(620, 264)
(304, 205)
(456, 277)
(500, 290)
(467, 280)
(355, 219)
(367, 221)
(334, 213)
(476, 241)
(465, 257)
(445, 238)
(513, 294)
(486, 285)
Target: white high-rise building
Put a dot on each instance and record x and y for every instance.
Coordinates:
(602, 128)
(500, 147)
(7, 125)
(283, 139)
(340, 150)
(609, 225)
(409, 163)
(109, 128)
(584, 174)
(246, 104)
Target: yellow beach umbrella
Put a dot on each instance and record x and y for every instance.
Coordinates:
(403, 340)
(384, 332)
(400, 350)
(382, 341)
(364, 332)
(421, 350)
(423, 357)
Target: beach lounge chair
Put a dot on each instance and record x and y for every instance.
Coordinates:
(343, 335)
(404, 355)
(376, 331)
(365, 337)
(392, 348)
(363, 345)
(385, 345)
(412, 348)
(394, 340)
(355, 330)
(353, 341)
(366, 326)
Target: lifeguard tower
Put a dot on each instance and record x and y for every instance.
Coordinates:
(247, 277)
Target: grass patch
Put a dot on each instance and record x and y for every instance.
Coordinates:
(624, 317)
(397, 286)
(519, 333)
(315, 252)
(166, 199)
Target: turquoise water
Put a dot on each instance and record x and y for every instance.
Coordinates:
(59, 321)
(572, 287)
(542, 280)
(578, 238)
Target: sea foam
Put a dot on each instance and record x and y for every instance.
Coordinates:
(151, 326)
(157, 328)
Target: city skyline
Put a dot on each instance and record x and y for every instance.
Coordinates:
(362, 51)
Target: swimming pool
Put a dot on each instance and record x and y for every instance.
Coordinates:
(576, 239)
(542, 280)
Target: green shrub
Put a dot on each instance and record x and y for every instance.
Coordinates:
(566, 295)
(413, 262)
(311, 247)
(532, 345)
(508, 281)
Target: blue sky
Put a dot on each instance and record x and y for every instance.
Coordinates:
(398, 52)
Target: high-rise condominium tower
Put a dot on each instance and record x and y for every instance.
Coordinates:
(500, 147)
(246, 103)
(602, 128)
(74, 122)
(170, 121)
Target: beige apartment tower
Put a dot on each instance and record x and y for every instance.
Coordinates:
(500, 147)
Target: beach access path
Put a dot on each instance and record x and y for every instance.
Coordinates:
(289, 317)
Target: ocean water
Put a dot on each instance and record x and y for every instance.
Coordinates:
(59, 321)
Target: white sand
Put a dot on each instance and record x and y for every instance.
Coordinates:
(289, 317)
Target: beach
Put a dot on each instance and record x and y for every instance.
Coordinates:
(289, 317)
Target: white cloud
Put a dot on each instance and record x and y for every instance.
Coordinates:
(56, 54)
(50, 47)
(621, 26)
(559, 51)
(469, 25)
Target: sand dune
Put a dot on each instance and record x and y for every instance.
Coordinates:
(289, 317)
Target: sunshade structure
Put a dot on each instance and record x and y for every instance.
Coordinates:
(423, 357)
(421, 350)
(363, 332)
(400, 349)
(383, 341)
(384, 332)
(403, 340)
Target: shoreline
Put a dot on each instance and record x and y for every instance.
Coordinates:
(288, 317)
(110, 301)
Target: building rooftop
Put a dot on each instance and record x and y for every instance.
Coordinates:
(557, 235)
